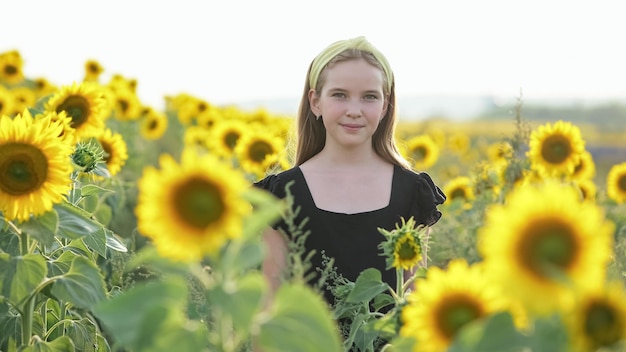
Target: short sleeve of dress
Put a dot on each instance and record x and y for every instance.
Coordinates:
(428, 197)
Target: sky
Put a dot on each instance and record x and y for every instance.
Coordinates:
(244, 50)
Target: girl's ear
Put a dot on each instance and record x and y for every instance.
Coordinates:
(314, 101)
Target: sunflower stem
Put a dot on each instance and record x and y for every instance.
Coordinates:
(400, 282)
(24, 247)
(27, 320)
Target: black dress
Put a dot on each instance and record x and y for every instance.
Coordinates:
(353, 239)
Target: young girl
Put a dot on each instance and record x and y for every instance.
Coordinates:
(349, 178)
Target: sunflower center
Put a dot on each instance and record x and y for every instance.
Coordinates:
(259, 150)
(123, 104)
(420, 152)
(108, 151)
(549, 245)
(406, 250)
(602, 325)
(230, 139)
(76, 107)
(94, 68)
(556, 149)
(10, 69)
(23, 168)
(455, 313)
(621, 183)
(199, 203)
(457, 193)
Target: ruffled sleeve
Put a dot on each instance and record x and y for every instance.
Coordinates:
(271, 183)
(427, 197)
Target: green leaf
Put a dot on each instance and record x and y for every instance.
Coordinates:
(114, 243)
(494, 333)
(82, 333)
(549, 334)
(300, 320)
(9, 242)
(62, 344)
(97, 242)
(400, 344)
(74, 222)
(43, 228)
(62, 264)
(10, 325)
(93, 190)
(20, 276)
(240, 255)
(83, 284)
(172, 334)
(368, 285)
(124, 313)
(267, 209)
(241, 302)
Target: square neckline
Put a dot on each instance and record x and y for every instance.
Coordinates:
(310, 195)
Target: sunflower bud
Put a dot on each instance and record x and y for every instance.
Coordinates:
(88, 155)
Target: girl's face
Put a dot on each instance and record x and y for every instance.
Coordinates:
(351, 102)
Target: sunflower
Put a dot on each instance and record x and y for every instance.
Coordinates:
(225, 136)
(93, 70)
(197, 137)
(585, 168)
(127, 105)
(192, 208)
(587, 188)
(153, 124)
(500, 152)
(208, 118)
(555, 149)
(423, 150)
(460, 189)
(43, 87)
(35, 166)
(543, 241)
(6, 101)
(616, 183)
(67, 132)
(189, 107)
(11, 67)
(459, 143)
(23, 98)
(403, 245)
(446, 301)
(598, 320)
(257, 151)
(116, 152)
(84, 104)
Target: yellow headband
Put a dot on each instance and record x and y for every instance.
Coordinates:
(360, 43)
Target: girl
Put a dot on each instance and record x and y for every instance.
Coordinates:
(349, 178)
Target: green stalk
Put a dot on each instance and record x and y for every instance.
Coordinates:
(400, 282)
(27, 320)
(24, 247)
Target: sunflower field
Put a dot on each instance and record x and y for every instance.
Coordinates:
(129, 228)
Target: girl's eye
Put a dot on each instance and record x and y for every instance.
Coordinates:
(339, 95)
(371, 97)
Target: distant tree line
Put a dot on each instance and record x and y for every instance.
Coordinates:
(607, 116)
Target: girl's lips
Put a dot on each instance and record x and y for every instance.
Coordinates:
(351, 126)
